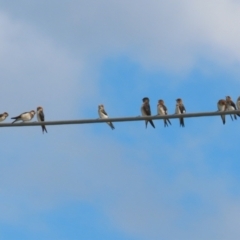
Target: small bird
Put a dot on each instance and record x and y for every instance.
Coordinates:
(102, 114)
(231, 106)
(146, 110)
(238, 103)
(222, 107)
(162, 111)
(40, 118)
(3, 116)
(180, 109)
(25, 117)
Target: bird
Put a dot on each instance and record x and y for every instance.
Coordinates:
(146, 110)
(162, 111)
(103, 115)
(222, 107)
(231, 106)
(180, 109)
(26, 116)
(3, 116)
(238, 103)
(40, 118)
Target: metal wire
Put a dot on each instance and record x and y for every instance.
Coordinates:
(119, 119)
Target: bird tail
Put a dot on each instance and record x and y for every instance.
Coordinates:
(111, 125)
(44, 129)
(181, 122)
(235, 116)
(16, 119)
(165, 123)
(169, 121)
(223, 119)
(238, 114)
(151, 122)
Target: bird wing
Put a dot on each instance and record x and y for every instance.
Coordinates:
(233, 105)
(103, 111)
(19, 116)
(147, 109)
(41, 116)
(23, 114)
(165, 109)
(182, 109)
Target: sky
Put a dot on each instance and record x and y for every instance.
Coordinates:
(93, 183)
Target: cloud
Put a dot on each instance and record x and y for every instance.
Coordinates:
(143, 195)
(143, 187)
(35, 71)
(170, 36)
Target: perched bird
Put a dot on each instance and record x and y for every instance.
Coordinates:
(162, 111)
(40, 118)
(25, 117)
(102, 114)
(146, 111)
(3, 116)
(238, 103)
(231, 106)
(180, 109)
(222, 107)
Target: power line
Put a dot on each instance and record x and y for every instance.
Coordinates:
(119, 119)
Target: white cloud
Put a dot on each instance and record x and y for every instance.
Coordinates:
(78, 165)
(35, 70)
(164, 35)
(172, 35)
(139, 198)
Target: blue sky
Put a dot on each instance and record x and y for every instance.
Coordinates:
(89, 182)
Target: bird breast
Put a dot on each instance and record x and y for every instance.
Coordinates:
(177, 110)
(160, 110)
(102, 115)
(26, 116)
(143, 111)
(230, 108)
(221, 107)
(238, 104)
(2, 118)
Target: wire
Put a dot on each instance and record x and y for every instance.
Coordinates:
(119, 119)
